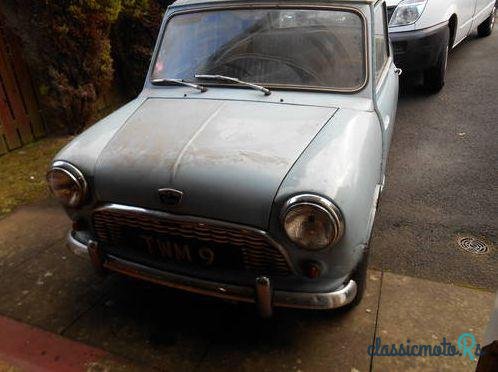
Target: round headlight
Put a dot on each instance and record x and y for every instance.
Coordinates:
(67, 184)
(312, 222)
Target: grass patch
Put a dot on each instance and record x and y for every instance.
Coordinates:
(22, 173)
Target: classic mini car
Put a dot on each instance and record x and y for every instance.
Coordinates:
(250, 166)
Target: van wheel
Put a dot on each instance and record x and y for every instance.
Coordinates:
(434, 77)
(486, 28)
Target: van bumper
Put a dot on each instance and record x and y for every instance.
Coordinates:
(420, 49)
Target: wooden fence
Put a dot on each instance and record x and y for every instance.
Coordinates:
(20, 119)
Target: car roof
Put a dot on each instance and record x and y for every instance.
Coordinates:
(317, 2)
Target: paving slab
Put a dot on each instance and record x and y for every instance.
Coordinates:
(29, 231)
(43, 284)
(147, 323)
(424, 312)
(52, 291)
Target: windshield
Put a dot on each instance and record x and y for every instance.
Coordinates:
(301, 48)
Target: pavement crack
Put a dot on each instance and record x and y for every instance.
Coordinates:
(203, 356)
(376, 318)
(97, 302)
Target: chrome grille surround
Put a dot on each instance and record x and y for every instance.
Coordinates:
(260, 253)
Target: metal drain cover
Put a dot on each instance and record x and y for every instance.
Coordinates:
(473, 245)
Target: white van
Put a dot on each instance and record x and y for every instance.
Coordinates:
(423, 31)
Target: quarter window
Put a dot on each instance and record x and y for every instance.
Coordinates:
(380, 39)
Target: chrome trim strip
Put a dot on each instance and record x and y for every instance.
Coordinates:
(303, 300)
(75, 174)
(176, 217)
(203, 7)
(320, 300)
(78, 248)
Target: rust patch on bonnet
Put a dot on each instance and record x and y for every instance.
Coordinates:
(232, 157)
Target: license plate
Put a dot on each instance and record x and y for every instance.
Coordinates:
(181, 250)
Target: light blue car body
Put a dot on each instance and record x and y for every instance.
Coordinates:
(238, 156)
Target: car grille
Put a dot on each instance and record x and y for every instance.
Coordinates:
(258, 253)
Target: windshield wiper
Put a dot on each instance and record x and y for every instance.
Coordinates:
(266, 91)
(178, 82)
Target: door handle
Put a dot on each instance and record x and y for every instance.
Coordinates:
(398, 71)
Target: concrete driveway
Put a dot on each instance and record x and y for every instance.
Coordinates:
(441, 185)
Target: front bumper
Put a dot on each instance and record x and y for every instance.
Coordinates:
(261, 294)
(420, 49)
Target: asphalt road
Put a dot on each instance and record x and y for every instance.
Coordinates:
(443, 177)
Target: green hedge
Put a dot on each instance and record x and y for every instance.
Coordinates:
(76, 49)
(133, 37)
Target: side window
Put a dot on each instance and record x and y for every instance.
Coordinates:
(381, 39)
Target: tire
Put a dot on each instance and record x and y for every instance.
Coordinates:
(486, 28)
(434, 77)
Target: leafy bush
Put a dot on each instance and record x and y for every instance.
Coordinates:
(68, 47)
(133, 37)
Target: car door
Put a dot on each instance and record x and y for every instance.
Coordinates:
(386, 78)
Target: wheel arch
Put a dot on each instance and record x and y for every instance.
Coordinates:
(453, 24)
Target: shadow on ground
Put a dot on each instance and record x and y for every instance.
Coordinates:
(44, 285)
(184, 332)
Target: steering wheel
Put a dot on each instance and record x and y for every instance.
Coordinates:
(233, 63)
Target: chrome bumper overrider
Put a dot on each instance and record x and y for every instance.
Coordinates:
(261, 294)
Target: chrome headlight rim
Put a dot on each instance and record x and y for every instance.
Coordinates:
(324, 205)
(76, 175)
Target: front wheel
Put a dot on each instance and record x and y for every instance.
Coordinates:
(434, 77)
(486, 28)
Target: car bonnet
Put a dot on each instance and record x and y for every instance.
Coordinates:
(228, 158)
